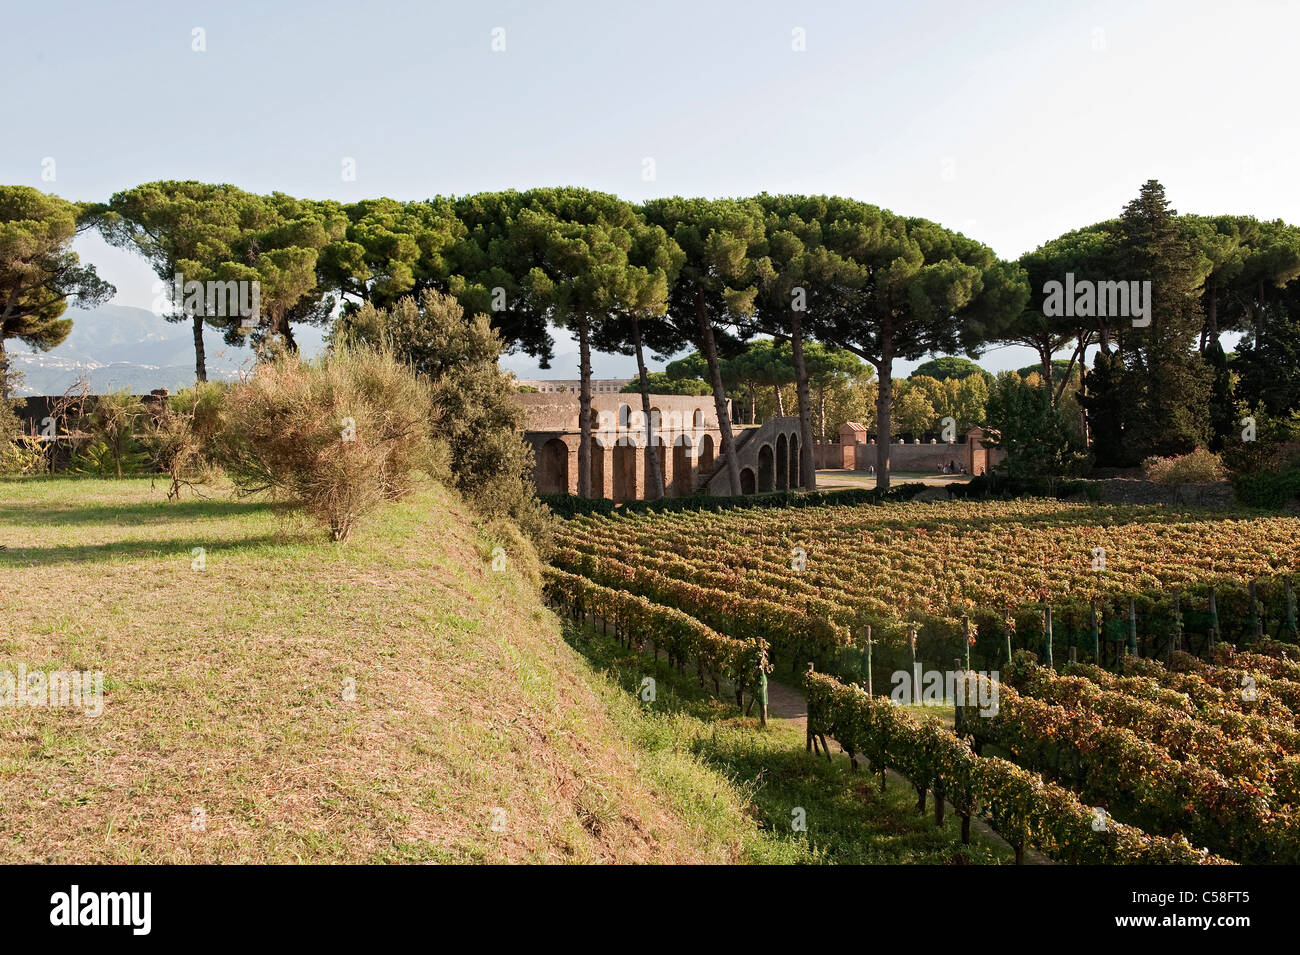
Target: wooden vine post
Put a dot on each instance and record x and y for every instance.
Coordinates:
(866, 662)
(965, 630)
(1214, 622)
(1093, 632)
(1132, 627)
(1290, 610)
(1047, 636)
(1256, 620)
(1176, 641)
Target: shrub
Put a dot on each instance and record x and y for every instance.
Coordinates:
(1272, 488)
(113, 419)
(480, 416)
(336, 437)
(183, 434)
(17, 454)
(1198, 467)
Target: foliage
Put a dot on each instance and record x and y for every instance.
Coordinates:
(949, 366)
(1198, 467)
(479, 418)
(662, 384)
(1037, 436)
(336, 437)
(113, 420)
(38, 271)
(1027, 810)
(684, 638)
(183, 434)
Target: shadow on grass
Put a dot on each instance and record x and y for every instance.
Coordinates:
(38, 513)
(172, 547)
(848, 819)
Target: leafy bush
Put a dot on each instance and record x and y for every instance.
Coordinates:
(336, 437)
(17, 456)
(113, 420)
(1272, 488)
(183, 434)
(1198, 467)
(480, 415)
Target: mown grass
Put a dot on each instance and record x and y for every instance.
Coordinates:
(848, 819)
(226, 692)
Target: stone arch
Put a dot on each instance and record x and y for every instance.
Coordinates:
(683, 465)
(747, 485)
(697, 419)
(625, 472)
(781, 478)
(553, 468)
(796, 479)
(706, 454)
(766, 468)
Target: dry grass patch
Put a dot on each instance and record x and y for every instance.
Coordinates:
(225, 691)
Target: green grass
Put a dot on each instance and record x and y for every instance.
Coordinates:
(849, 820)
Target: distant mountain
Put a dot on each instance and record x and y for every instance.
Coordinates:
(120, 347)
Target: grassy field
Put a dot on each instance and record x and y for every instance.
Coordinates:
(229, 732)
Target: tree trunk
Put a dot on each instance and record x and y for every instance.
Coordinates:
(286, 332)
(884, 408)
(656, 473)
(584, 407)
(753, 402)
(4, 371)
(780, 402)
(1212, 315)
(710, 349)
(200, 358)
(821, 414)
(807, 469)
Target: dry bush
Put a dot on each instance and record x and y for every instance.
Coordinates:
(336, 437)
(1198, 467)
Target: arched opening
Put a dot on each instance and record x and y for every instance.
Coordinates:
(553, 468)
(796, 479)
(706, 454)
(624, 472)
(782, 463)
(766, 468)
(747, 481)
(683, 459)
(598, 453)
(697, 419)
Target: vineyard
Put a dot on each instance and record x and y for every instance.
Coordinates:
(1145, 660)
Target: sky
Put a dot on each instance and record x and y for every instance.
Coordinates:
(1010, 122)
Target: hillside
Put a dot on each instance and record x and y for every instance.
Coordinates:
(226, 736)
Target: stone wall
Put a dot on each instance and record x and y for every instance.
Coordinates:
(686, 429)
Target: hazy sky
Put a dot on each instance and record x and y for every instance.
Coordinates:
(1011, 122)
